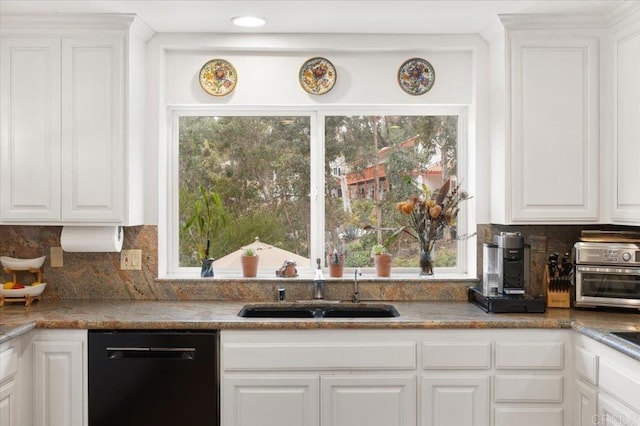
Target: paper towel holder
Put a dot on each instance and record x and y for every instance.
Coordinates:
(103, 239)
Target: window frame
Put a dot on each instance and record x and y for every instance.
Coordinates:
(169, 263)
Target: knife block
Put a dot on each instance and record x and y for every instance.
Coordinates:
(559, 297)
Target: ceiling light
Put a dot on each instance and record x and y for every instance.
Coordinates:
(248, 21)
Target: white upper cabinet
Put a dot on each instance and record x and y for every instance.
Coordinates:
(92, 131)
(30, 134)
(625, 43)
(551, 158)
(72, 100)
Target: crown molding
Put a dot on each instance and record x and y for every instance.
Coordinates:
(552, 21)
(623, 15)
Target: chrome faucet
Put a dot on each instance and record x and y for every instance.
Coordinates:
(318, 282)
(356, 293)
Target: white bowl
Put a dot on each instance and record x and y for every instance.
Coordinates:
(26, 291)
(22, 264)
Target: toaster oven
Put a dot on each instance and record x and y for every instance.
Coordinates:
(607, 274)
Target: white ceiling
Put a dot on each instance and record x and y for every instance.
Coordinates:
(319, 16)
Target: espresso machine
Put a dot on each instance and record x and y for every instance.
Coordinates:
(513, 262)
(506, 277)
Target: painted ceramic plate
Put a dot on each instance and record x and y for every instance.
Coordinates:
(317, 76)
(416, 76)
(218, 77)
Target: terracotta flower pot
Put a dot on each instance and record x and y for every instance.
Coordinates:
(383, 264)
(249, 266)
(336, 269)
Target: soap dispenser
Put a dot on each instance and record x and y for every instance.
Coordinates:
(318, 282)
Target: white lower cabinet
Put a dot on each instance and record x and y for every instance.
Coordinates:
(525, 416)
(59, 365)
(9, 379)
(394, 378)
(607, 386)
(368, 400)
(614, 413)
(274, 400)
(585, 404)
(452, 401)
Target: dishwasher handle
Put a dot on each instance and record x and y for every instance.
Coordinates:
(150, 353)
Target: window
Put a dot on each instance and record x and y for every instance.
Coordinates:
(386, 158)
(304, 182)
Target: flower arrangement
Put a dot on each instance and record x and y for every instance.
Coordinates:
(430, 217)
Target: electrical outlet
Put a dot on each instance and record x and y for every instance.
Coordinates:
(131, 260)
(56, 257)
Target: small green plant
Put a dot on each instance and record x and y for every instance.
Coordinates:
(207, 220)
(249, 252)
(377, 249)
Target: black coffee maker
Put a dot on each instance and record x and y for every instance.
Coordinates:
(513, 262)
(506, 277)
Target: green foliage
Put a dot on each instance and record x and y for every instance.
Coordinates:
(259, 167)
(206, 220)
(377, 249)
(249, 252)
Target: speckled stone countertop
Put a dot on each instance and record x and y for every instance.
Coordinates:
(194, 315)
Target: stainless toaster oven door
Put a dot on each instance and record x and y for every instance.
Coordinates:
(607, 286)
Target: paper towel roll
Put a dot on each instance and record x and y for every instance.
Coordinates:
(92, 238)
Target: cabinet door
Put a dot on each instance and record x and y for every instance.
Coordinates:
(614, 413)
(368, 400)
(92, 129)
(270, 400)
(8, 403)
(626, 196)
(30, 130)
(58, 383)
(553, 133)
(585, 404)
(455, 400)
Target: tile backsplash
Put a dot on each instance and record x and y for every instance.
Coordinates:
(98, 275)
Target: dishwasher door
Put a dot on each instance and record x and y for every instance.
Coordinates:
(158, 378)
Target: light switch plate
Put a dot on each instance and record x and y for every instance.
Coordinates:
(56, 257)
(131, 260)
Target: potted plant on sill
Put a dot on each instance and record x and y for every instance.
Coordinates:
(383, 260)
(336, 264)
(208, 218)
(249, 261)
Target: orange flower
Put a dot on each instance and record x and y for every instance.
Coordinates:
(435, 211)
(406, 207)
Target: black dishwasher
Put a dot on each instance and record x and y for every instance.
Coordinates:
(157, 378)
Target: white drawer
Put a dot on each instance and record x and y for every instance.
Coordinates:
(319, 356)
(507, 416)
(458, 355)
(528, 388)
(529, 355)
(625, 385)
(586, 365)
(8, 363)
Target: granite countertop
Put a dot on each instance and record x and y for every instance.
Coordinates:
(199, 315)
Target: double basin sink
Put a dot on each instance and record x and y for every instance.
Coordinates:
(319, 310)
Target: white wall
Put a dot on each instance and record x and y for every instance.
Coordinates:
(268, 65)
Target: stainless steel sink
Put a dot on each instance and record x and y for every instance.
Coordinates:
(319, 310)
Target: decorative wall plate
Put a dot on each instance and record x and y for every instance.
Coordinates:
(416, 76)
(317, 76)
(218, 77)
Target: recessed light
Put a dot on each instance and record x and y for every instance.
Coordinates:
(248, 21)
